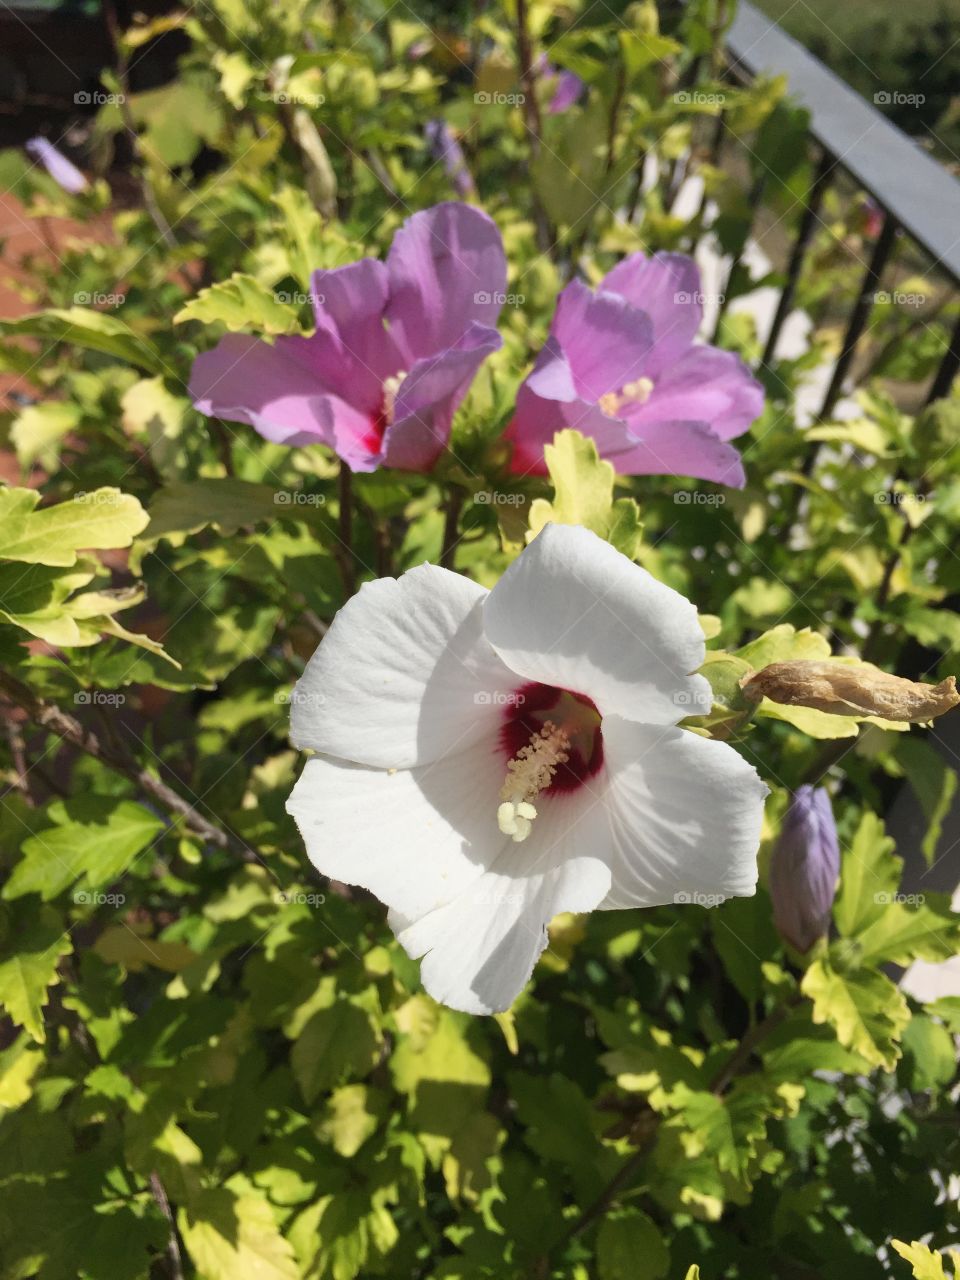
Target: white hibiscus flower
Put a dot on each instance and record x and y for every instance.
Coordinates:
(487, 759)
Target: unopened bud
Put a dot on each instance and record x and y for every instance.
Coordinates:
(804, 869)
(319, 177)
(851, 689)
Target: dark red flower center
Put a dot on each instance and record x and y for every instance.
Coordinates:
(534, 705)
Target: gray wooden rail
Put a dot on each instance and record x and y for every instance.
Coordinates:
(919, 198)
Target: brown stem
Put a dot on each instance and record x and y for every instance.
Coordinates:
(48, 716)
(648, 1133)
(173, 1246)
(130, 124)
(872, 641)
(348, 567)
(619, 1180)
(531, 113)
(15, 741)
(741, 1055)
(451, 526)
(615, 104)
(220, 438)
(379, 171)
(830, 753)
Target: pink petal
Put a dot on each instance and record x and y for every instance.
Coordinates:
(447, 269)
(681, 449)
(605, 340)
(276, 390)
(428, 399)
(667, 287)
(352, 350)
(706, 385)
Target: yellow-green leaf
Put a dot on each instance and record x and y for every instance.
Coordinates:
(230, 1236)
(86, 327)
(31, 952)
(865, 1009)
(53, 535)
(242, 304)
(583, 494)
(36, 432)
(926, 1264)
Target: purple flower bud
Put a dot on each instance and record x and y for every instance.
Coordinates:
(445, 148)
(61, 170)
(568, 90)
(804, 869)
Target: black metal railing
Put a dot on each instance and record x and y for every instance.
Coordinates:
(918, 197)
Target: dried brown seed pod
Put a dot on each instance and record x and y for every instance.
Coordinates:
(851, 689)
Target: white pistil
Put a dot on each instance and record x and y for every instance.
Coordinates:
(528, 773)
(636, 392)
(391, 388)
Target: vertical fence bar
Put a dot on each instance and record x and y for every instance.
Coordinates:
(943, 379)
(754, 198)
(801, 244)
(713, 158)
(860, 313)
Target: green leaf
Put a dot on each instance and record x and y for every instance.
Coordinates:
(230, 1236)
(930, 1049)
(31, 952)
(175, 121)
(438, 1066)
(241, 304)
(86, 327)
(540, 1102)
(337, 1041)
(150, 410)
(185, 507)
(630, 1247)
(34, 597)
(37, 431)
(784, 643)
(909, 929)
(933, 781)
(583, 494)
(926, 1264)
(19, 1063)
(744, 935)
(865, 1009)
(814, 723)
(727, 1129)
(869, 877)
(53, 535)
(236, 76)
(303, 232)
(354, 1113)
(882, 923)
(93, 840)
(935, 628)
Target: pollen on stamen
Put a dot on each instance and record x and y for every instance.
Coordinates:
(391, 388)
(529, 772)
(636, 392)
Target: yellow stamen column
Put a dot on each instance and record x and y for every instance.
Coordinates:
(528, 773)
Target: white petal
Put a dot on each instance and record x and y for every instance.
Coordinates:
(686, 814)
(415, 838)
(481, 948)
(571, 611)
(404, 675)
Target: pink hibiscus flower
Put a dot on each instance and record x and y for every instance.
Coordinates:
(396, 347)
(621, 365)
